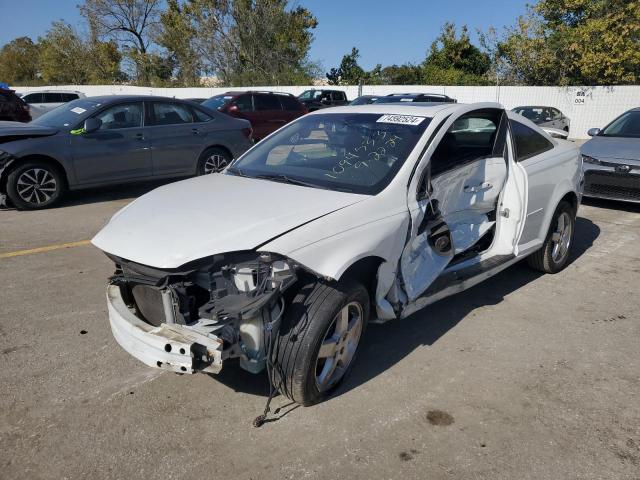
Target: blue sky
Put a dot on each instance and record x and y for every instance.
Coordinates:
(385, 31)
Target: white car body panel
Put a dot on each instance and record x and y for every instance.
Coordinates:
(203, 216)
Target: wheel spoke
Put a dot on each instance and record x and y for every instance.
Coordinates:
(327, 371)
(342, 321)
(328, 348)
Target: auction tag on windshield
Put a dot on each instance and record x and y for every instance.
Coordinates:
(400, 119)
(78, 110)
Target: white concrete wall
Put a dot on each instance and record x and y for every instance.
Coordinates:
(597, 105)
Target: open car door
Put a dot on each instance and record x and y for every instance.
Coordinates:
(453, 196)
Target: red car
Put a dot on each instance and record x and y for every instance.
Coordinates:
(267, 111)
(12, 107)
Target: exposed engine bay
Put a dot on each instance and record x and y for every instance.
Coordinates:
(234, 299)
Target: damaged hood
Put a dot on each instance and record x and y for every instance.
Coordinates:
(185, 221)
(17, 129)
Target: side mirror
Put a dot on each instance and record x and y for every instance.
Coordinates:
(92, 124)
(233, 109)
(592, 132)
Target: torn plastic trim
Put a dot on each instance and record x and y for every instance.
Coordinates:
(6, 160)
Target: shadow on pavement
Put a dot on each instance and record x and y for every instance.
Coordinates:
(388, 343)
(612, 204)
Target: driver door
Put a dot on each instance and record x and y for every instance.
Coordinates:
(453, 204)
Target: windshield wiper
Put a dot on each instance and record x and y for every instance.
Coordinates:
(279, 177)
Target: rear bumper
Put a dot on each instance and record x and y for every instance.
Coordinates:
(607, 183)
(170, 346)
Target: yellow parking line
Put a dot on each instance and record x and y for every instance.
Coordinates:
(48, 248)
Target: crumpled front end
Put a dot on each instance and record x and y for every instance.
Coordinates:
(194, 318)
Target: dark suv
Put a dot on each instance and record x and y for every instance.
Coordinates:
(267, 111)
(12, 107)
(415, 97)
(317, 99)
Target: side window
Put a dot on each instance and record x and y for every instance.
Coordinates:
(337, 96)
(52, 98)
(200, 116)
(471, 137)
(68, 97)
(527, 141)
(125, 115)
(243, 102)
(556, 114)
(33, 98)
(266, 102)
(290, 104)
(170, 114)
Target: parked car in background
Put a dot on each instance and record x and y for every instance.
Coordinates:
(611, 159)
(46, 100)
(317, 99)
(12, 107)
(415, 97)
(111, 140)
(364, 100)
(267, 111)
(339, 218)
(545, 117)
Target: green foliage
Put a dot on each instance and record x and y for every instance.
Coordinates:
(581, 42)
(64, 57)
(19, 61)
(454, 60)
(349, 72)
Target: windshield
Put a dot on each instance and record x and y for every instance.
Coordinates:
(355, 152)
(310, 94)
(532, 113)
(67, 115)
(626, 125)
(217, 102)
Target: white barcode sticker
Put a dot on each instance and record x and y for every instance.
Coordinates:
(78, 110)
(401, 119)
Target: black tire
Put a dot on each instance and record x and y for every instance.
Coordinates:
(50, 188)
(307, 321)
(544, 259)
(213, 160)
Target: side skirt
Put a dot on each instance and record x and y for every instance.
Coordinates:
(455, 280)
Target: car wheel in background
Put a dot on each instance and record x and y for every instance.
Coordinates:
(318, 340)
(213, 160)
(35, 185)
(554, 254)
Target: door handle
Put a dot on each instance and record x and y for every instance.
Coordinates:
(139, 136)
(478, 188)
(195, 131)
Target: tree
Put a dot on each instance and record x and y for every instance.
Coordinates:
(64, 58)
(349, 72)
(129, 23)
(454, 60)
(19, 61)
(584, 42)
(176, 35)
(407, 74)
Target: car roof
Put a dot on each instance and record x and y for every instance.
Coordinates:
(53, 91)
(138, 98)
(419, 109)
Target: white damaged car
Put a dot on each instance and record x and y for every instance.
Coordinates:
(346, 216)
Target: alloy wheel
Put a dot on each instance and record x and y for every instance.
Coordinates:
(339, 346)
(215, 164)
(36, 186)
(561, 237)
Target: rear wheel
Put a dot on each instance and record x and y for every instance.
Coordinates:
(554, 254)
(35, 185)
(319, 339)
(213, 160)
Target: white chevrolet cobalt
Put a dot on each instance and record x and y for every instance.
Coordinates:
(345, 216)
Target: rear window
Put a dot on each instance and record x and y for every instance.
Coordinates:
(52, 98)
(528, 142)
(33, 98)
(218, 101)
(67, 97)
(290, 104)
(200, 116)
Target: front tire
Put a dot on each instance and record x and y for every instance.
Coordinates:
(319, 339)
(213, 160)
(554, 254)
(35, 185)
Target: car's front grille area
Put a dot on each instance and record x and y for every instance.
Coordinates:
(623, 186)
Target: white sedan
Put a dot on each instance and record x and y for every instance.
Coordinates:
(346, 216)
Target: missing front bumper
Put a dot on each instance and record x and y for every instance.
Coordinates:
(169, 346)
